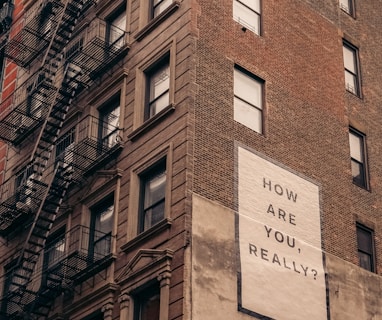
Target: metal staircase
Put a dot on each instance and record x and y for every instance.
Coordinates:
(53, 185)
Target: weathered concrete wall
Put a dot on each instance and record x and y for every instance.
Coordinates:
(354, 293)
(214, 287)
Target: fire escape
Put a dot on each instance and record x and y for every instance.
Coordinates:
(70, 62)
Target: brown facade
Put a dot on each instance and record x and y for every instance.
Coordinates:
(122, 124)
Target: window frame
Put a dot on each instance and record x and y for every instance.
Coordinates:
(9, 269)
(147, 22)
(95, 210)
(140, 124)
(363, 162)
(141, 295)
(150, 73)
(110, 25)
(259, 109)
(135, 237)
(244, 23)
(2, 68)
(144, 178)
(371, 255)
(357, 70)
(64, 148)
(152, 14)
(147, 268)
(52, 241)
(350, 9)
(107, 109)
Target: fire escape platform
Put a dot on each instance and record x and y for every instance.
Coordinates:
(24, 47)
(26, 108)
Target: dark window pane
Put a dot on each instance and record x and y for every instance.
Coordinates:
(153, 197)
(147, 304)
(357, 172)
(365, 248)
(357, 155)
(365, 242)
(365, 261)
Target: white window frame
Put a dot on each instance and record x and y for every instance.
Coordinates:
(248, 108)
(248, 14)
(358, 157)
(351, 66)
(347, 6)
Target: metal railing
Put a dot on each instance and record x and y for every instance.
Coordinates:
(79, 255)
(89, 142)
(93, 245)
(97, 45)
(32, 37)
(26, 107)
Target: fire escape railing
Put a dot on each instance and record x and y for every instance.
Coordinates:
(89, 143)
(97, 46)
(87, 56)
(83, 251)
(20, 196)
(26, 108)
(93, 141)
(34, 36)
(67, 66)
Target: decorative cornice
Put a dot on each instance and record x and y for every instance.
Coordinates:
(146, 259)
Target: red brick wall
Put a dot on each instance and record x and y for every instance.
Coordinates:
(9, 84)
(307, 110)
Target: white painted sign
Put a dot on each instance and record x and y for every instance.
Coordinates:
(279, 231)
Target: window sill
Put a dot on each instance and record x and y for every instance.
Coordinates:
(354, 94)
(152, 24)
(349, 14)
(148, 234)
(150, 122)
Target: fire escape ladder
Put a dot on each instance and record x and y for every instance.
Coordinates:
(23, 298)
(43, 299)
(22, 294)
(65, 91)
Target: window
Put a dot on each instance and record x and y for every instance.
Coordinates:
(154, 88)
(157, 88)
(97, 315)
(152, 13)
(248, 14)
(36, 95)
(109, 122)
(45, 23)
(152, 196)
(54, 252)
(116, 28)
(347, 6)
(158, 6)
(365, 241)
(6, 10)
(147, 303)
(248, 100)
(352, 79)
(65, 148)
(101, 226)
(145, 286)
(357, 154)
(13, 281)
(9, 269)
(24, 187)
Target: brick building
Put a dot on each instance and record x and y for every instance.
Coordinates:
(190, 159)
